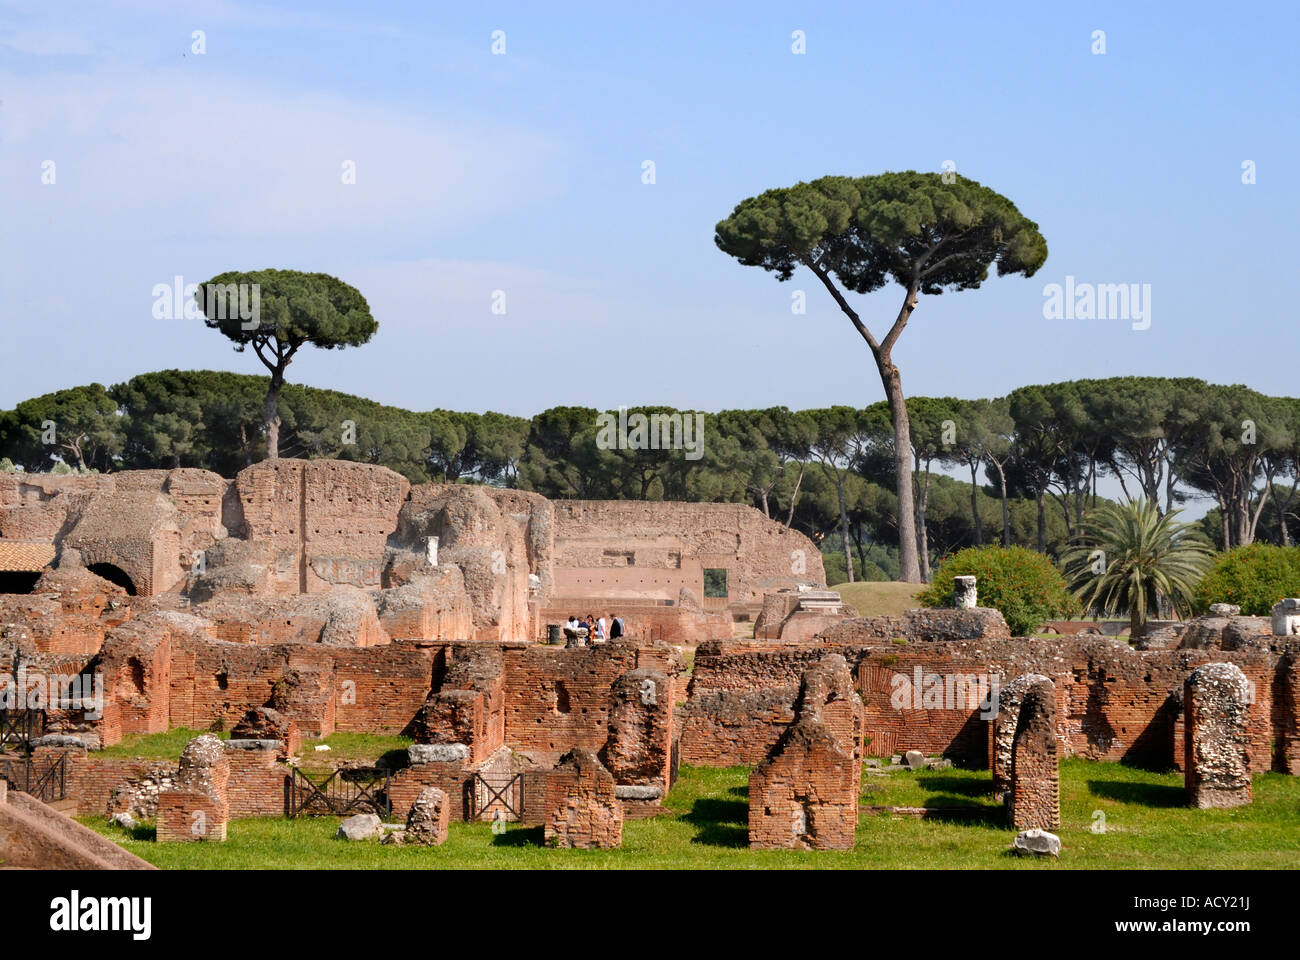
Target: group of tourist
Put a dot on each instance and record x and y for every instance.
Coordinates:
(593, 629)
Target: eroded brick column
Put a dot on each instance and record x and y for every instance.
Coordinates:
(427, 822)
(1216, 700)
(1286, 708)
(1035, 761)
(805, 794)
(195, 807)
(1003, 729)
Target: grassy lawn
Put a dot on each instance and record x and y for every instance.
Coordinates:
(872, 598)
(350, 748)
(343, 747)
(1146, 827)
(159, 746)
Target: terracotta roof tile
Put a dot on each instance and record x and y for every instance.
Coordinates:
(25, 555)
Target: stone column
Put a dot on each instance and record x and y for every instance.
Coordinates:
(963, 592)
(1286, 617)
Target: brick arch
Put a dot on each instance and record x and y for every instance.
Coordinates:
(113, 574)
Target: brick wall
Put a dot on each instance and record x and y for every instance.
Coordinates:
(1116, 703)
(557, 699)
(760, 555)
(256, 785)
(805, 795)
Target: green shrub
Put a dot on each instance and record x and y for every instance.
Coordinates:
(1253, 577)
(1024, 586)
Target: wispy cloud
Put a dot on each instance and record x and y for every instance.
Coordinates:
(186, 152)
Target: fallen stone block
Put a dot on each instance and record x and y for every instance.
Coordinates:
(363, 826)
(1037, 843)
(436, 753)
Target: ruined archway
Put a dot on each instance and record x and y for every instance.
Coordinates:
(113, 574)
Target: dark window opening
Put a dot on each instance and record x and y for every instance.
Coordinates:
(715, 582)
(18, 581)
(137, 676)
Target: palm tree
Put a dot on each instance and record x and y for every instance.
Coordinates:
(1130, 558)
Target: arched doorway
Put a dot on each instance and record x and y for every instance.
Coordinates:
(113, 574)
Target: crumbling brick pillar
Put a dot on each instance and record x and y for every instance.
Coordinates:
(451, 717)
(805, 794)
(581, 807)
(1216, 698)
(427, 822)
(306, 695)
(826, 690)
(195, 807)
(1286, 707)
(469, 706)
(638, 751)
(267, 723)
(1034, 799)
(1002, 729)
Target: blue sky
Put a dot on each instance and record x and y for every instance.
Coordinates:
(522, 172)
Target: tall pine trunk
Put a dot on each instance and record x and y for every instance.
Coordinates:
(908, 554)
(271, 414)
(794, 497)
(844, 527)
(1006, 510)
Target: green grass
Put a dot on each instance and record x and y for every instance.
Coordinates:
(878, 598)
(344, 747)
(1147, 827)
(350, 747)
(162, 746)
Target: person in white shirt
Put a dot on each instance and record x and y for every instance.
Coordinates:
(601, 634)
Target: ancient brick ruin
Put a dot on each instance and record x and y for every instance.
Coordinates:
(1033, 800)
(1218, 764)
(195, 806)
(582, 810)
(804, 795)
(304, 598)
(1003, 729)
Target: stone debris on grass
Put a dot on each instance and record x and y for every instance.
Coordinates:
(1037, 843)
(363, 826)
